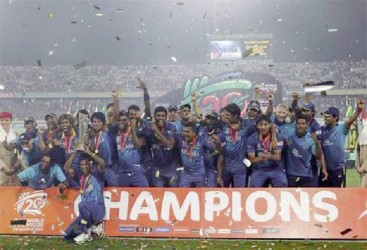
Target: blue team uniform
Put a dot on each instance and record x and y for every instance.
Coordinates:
(91, 207)
(102, 143)
(192, 158)
(210, 156)
(266, 171)
(312, 128)
(332, 143)
(249, 125)
(33, 156)
(129, 162)
(166, 160)
(57, 152)
(299, 152)
(38, 180)
(234, 151)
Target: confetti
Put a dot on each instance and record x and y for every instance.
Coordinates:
(50, 53)
(99, 14)
(51, 15)
(120, 10)
(279, 20)
(204, 17)
(39, 63)
(73, 22)
(332, 30)
(96, 7)
(344, 232)
(180, 3)
(117, 38)
(173, 59)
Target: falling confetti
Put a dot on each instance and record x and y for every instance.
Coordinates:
(99, 14)
(117, 38)
(279, 20)
(173, 59)
(51, 15)
(344, 232)
(332, 30)
(96, 7)
(39, 63)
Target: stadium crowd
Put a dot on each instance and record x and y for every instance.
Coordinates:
(22, 80)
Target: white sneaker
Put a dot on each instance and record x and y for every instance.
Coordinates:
(81, 238)
(99, 230)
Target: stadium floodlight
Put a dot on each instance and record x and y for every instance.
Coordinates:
(318, 87)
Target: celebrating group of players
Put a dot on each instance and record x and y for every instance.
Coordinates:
(174, 148)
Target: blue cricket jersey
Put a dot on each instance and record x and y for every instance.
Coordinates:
(255, 146)
(234, 148)
(299, 151)
(192, 155)
(129, 157)
(165, 157)
(38, 180)
(333, 144)
(92, 191)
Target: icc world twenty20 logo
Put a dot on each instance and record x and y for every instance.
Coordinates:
(31, 203)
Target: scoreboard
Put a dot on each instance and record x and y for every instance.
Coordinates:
(240, 46)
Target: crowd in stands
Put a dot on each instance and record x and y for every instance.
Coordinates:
(161, 79)
(346, 74)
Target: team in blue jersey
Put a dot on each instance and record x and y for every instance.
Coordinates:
(174, 148)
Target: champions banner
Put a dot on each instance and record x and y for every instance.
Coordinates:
(195, 212)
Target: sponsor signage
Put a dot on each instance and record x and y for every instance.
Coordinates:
(196, 212)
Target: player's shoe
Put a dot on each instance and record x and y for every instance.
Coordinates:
(82, 238)
(99, 230)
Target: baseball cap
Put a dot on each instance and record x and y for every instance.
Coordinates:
(308, 106)
(173, 107)
(185, 106)
(331, 111)
(29, 119)
(24, 137)
(212, 114)
(52, 115)
(254, 105)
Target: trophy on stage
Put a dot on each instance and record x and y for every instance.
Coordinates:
(83, 122)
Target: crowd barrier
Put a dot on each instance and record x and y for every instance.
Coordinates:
(283, 213)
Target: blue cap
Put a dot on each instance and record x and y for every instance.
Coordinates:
(331, 111)
(254, 105)
(24, 137)
(212, 114)
(172, 107)
(308, 106)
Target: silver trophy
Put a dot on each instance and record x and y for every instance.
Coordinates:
(83, 122)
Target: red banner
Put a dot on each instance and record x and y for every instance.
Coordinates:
(196, 213)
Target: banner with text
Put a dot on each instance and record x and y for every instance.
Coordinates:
(196, 213)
